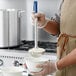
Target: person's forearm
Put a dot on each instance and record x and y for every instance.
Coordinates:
(52, 27)
(68, 60)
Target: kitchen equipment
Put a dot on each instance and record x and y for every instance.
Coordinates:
(9, 28)
(35, 9)
(32, 62)
(10, 58)
(36, 52)
(12, 71)
(3, 28)
(48, 46)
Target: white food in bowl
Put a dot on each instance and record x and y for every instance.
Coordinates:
(36, 52)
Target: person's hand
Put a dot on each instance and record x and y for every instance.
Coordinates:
(48, 68)
(40, 17)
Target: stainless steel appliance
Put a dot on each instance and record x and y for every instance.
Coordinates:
(9, 28)
(16, 55)
(48, 46)
(16, 58)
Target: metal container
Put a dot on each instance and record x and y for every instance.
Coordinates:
(9, 28)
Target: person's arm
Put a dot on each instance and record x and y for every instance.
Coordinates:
(68, 60)
(52, 27)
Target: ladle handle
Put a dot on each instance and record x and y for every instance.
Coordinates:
(36, 34)
(35, 6)
(35, 9)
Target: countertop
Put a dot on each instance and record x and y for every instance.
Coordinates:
(52, 56)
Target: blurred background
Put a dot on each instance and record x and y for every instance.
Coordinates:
(48, 7)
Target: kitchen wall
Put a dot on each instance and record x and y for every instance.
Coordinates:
(49, 7)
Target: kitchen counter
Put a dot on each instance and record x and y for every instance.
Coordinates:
(9, 57)
(27, 74)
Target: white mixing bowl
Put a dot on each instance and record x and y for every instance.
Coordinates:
(32, 62)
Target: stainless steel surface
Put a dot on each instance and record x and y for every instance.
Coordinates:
(9, 57)
(9, 28)
(3, 28)
(48, 46)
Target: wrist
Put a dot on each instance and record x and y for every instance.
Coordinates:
(56, 66)
(53, 67)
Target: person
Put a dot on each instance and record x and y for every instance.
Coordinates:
(65, 28)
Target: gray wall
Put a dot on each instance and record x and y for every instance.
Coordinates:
(49, 7)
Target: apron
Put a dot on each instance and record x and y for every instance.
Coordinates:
(67, 38)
